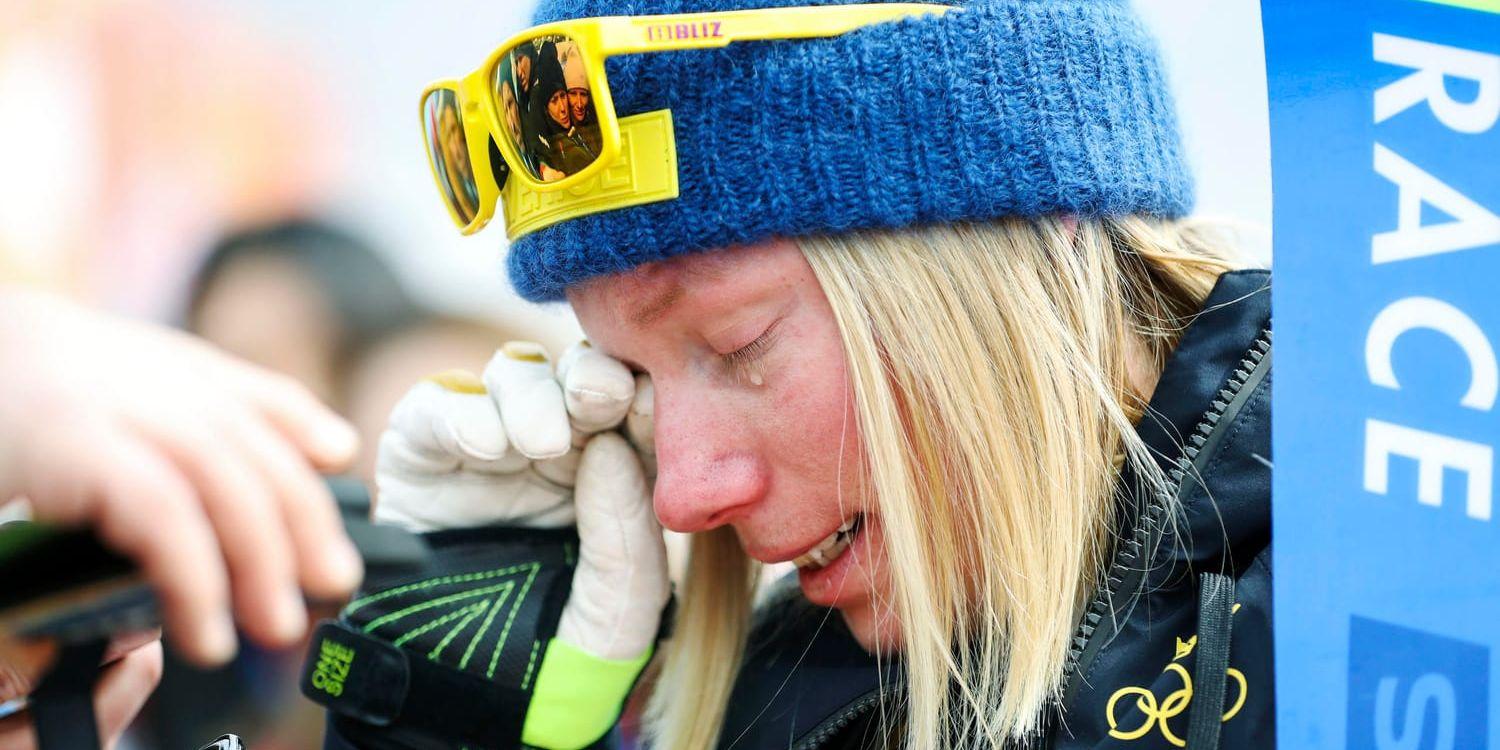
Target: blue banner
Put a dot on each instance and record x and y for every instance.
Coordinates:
(1385, 133)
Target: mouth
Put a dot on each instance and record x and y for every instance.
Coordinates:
(825, 552)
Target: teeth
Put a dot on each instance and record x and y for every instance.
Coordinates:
(830, 548)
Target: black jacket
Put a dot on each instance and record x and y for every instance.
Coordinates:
(1185, 613)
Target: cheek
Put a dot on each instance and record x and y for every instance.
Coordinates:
(817, 411)
(811, 429)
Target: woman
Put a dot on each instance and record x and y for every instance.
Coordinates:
(453, 155)
(1003, 407)
(999, 470)
(580, 99)
(563, 151)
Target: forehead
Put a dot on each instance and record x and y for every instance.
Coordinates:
(643, 294)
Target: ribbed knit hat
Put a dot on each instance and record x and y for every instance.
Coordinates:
(1003, 108)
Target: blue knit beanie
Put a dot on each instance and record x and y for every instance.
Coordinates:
(1004, 108)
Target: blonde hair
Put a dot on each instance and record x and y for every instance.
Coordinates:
(991, 371)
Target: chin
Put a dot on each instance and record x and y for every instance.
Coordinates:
(877, 631)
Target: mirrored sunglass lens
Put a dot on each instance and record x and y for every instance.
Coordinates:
(547, 109)
(449, 152)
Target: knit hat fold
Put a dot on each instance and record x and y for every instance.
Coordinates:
(1000, 108)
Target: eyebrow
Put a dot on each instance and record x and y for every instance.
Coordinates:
(658, 307)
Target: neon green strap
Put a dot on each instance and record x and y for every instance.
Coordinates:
(578, 697)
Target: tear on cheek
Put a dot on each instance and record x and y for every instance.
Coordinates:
(750, 374)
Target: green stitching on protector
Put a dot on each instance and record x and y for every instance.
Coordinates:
(418, 631)
(438, 602)
(530, 664)
(568, 554)
(443, 644)
(434, 582)
(488, 621)
(505, 633)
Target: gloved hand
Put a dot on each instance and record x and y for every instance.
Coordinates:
(493, 644)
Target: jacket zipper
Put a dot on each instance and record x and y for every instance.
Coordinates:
(836, 723)
(1126, 568)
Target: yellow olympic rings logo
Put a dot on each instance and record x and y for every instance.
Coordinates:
(1175, 703)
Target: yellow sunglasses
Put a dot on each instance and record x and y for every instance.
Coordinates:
(537, 118)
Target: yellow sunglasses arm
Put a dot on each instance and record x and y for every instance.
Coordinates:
(633, 34)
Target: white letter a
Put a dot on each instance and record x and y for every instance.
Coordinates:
(1473, 224)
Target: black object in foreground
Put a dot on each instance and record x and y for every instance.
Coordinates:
(66, 588)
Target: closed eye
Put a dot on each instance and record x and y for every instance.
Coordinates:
(752, 351)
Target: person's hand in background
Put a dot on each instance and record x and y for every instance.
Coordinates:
(132, 669)
(201, 468)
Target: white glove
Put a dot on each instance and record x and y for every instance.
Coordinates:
(525, 447)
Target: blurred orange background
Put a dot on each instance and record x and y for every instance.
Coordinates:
(133, 133)
(252, 171)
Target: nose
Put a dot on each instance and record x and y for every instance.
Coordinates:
(708, 473)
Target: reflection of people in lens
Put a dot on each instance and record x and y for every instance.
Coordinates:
(513, 108)
(511, 111)
(457, 168)
(524, 64)
(538, 126)
(578, 102)
(560, 148)
(557, 109)
(524, 68)
(580, 99)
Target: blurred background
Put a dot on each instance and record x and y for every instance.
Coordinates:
(251, 170)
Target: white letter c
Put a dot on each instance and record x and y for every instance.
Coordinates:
(1425, 312)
